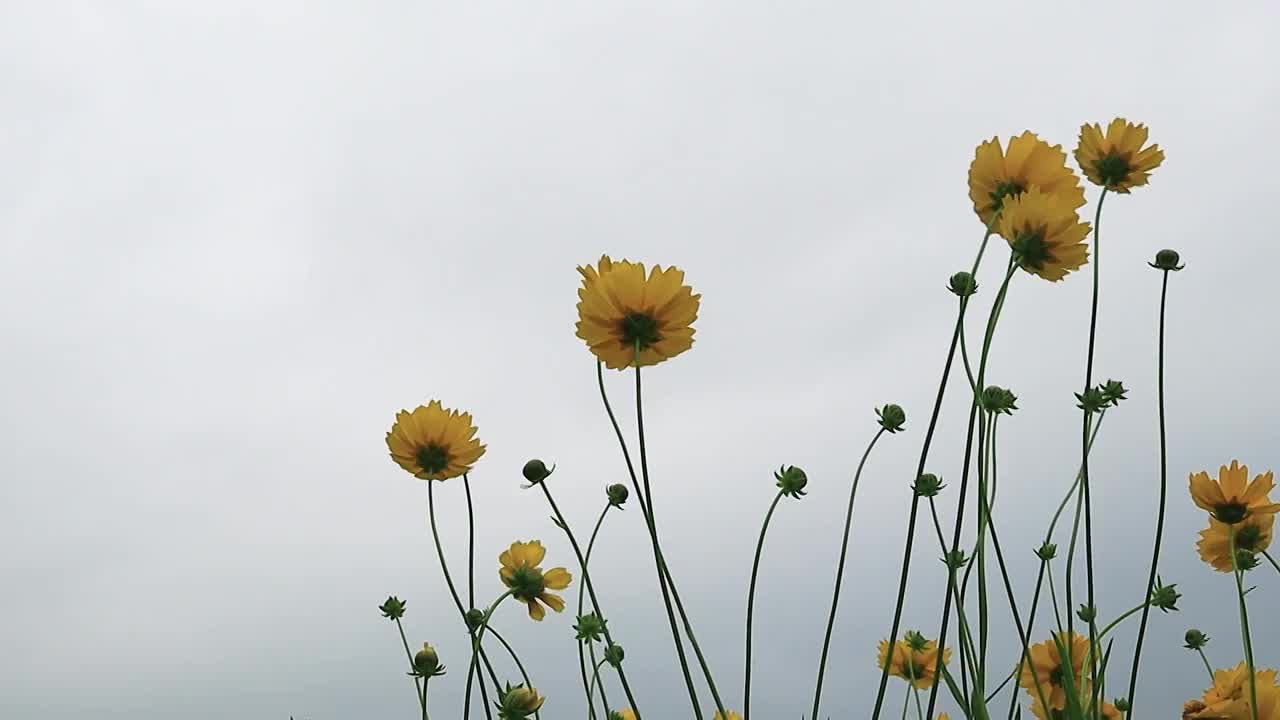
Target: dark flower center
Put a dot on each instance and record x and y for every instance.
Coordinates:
(527, 583)
(1230, 513)
(639, 329)
(1113, 169)
(1031, 248)
(1249, 538)
(433, 459)
(1004, 190)
(1055, 677)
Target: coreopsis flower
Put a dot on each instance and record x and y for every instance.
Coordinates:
(1232, 498)
(1253, 535)
(1047, 669)
(1229, 697)
(1116, 159)
(519, 702)
(731, 716)
(528, 583)
(623, 714)
(914, 659)
(434, 442)
(996, 175)
(621, 311)
(1045, 233)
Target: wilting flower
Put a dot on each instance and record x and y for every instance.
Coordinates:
(1116, 160)
(528, 583)
(519, 702)
(1228, 698)
(1047, 669)
(731, 716)
(1045, 233)
(434, 442)
(915, 659)
(1232, 497)
(996, 175)
(1253, 535)
(620, 311)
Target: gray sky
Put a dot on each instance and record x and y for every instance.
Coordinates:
(237, 237)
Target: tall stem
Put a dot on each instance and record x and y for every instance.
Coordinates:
(586, 644)
(1244, 624)
(417, 682)
(751, 604)
(844, 551)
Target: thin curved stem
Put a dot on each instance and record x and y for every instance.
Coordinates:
(968, 653)
(1271, 560)
(417, 682)
(751, 604)
(478, 636)
(1244, 624)
(1205, 660)
(582, 660)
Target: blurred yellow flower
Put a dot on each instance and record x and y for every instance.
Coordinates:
(1116, 159)
(620, 309)
(1253, 534)
(1109, 712)
(1047, 668)
(434, 442)
(1232, 498)
(1228, 698)
(914, 659)
(527, 581)
(1045, 233)
(996, 175)
(732, 716)
(624, 714)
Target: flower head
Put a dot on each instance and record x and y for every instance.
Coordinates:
(891, 417)
(1113, 391)
(1167, 260)
(434, 442)
(624, 714)
(731, 716)
(393, 608)
(426, 662)
(1045, 233)
(1252, 535)
(1164, 596)
(996, 175)
(589, 627)
(519, 702)
(1232, 498)
(963, 284)
(1116, 159)
(998, 400)
(528, 583)
(535, 471)
(621, 312)
(614, 654)
(791, 481)
(927, 485)
(1047, 670)
(915, 659)
(1195, 639)
(618, 494)
(1228, 698)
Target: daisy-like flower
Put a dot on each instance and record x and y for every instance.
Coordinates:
(732, 716)
(1048, 668)
(624, 714)
(1228, 698)
(528, 583)
(434, 442)
(914, 659)
(1116, 159)
(1232, 498)
(1253, 534)
(995, 175)
(1045, 233)
(621, 309)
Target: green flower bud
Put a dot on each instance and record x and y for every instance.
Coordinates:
(1164, 596)
(791, 481)
(996, 399)
(1195, 639)
(589, 627)
(927, 485)
(618, 494)
(892, 417)
(474, 618)
(1122, 704)
(427, 663)
(963, 284)
(615, 715)
(614, 654)
(535, 471)
(1246, 560)
(1087, 613)
(915, 640)
(1091, 400)
(955, 559)
(393, 608)
(1047, 551)
(1113, 392)
(519, 702)
(1167, 260)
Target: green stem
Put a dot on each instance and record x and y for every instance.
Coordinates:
(595, 680)
(1244, 624)
(1205, 660)
(524, 676)
(484, 625)
(751, 604)
(425, 682)
(906, 697)
(582, 660)
(964, 631)
(915, 691)
(1123, 616)
(1057, 610)
(1271, 560)
(1045, 571)
(844, 551)
(417, 683)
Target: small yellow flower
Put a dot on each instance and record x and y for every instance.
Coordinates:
(1252, 534)
(996, 175)
(732, 716)
(624, 714)
(914, 659)
(434, 442)
(1045, 233)
(1232, 497)
(1228, 698)
(619, 309)
(528, 583)
(1046, 668)
(1116, 160)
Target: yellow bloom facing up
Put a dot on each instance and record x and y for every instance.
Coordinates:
(1047, 668)
(732, 716)
(995, 175)
(1232, 498)
(1252, 534)
(1228, 698)
(1116, 159)
(914, 659)
(1045, 233)
(620, 309)
(434, 442)
(528, 583)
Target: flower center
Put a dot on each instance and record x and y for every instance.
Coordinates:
(433, 459)
(639, 329)
(1004, 190)
(1230, 513)
(1113, 169)
(527, 583)
(1031, 248)
(1055, 676)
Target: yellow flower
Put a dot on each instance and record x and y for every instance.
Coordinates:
(732, 716)
(1232, 497)
(914, 659)
(996, 175)
(434, 442)
(619, 309)
(528, 583)
(1117, 161)
(1109, 712)
(624, 714)
(1045, 233)
(1228, 699)
(1046, 669)
(1252, 534)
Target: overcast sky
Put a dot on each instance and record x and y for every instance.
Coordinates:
(237, 237)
